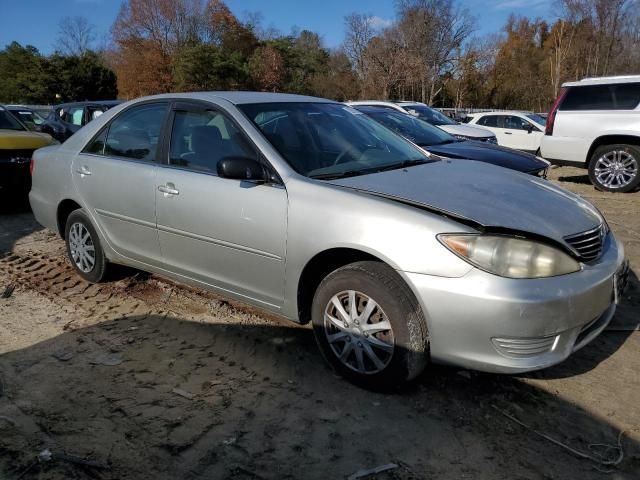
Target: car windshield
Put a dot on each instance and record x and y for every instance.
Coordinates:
(28, 116)
(419, 132)
(329, 140)
(429, 115)
(9, 122)
(537, 119)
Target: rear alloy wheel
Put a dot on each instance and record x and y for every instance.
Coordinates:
(615, 168)
(83, 247)
(369, 326)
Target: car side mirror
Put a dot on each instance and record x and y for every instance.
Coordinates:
(529, 128)
(242, 168)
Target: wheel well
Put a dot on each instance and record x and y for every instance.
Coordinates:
(64, 210)
(319, 267)
(610, 140)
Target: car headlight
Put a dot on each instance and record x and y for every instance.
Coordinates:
(510, 256)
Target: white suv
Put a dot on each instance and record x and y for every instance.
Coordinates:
(595, 123)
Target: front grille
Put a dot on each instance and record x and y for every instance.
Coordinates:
(588, 245)
(524, 347)
(15, 155)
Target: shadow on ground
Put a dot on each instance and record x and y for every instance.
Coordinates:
(16, 221)
(192, 400)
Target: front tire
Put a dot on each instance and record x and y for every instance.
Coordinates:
(615, 168)
(83, 247)
(369, 326)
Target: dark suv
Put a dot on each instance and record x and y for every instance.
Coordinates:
(67, 118)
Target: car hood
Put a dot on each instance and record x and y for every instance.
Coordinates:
(23, 140)
(489, 153)
(467, 131)
(495, 199)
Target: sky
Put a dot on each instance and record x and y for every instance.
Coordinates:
(35, 22)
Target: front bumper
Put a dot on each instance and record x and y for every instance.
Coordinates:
(14, 177)
(489, 323)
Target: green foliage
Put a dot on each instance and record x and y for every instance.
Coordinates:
(23, 77)
(29, 77)
(83, 77)
(205, 67)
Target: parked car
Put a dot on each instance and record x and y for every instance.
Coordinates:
(17, 145)
(314, 211)
(32, 119)
(67, 118)
(522, 131)
(439, 142)
(435, 118)
(595, 124)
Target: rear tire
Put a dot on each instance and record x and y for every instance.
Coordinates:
(83, 247)
(384, 342)
(615, 168)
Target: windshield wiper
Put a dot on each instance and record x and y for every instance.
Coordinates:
(334, 175)
(405, 164)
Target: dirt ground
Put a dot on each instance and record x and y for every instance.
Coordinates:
(141, 378)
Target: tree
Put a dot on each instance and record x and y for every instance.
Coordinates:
(433, 32)
(80, 77)
(205, 67)
(24, 78)
(267, 68)
(75, 36)
(359, 32)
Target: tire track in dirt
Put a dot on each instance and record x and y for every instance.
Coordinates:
(136, 295)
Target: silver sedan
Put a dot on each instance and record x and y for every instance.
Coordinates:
(309, 209)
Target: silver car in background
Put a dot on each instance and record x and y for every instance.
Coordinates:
(311, 210)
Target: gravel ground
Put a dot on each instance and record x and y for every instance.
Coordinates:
(141, 378)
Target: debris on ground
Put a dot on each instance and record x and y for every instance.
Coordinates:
(183, 393)
(612, 456)
(372, 471)
(8, 291)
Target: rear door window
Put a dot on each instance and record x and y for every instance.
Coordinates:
(133, 134)
(489, 121)
(626, 96)
(73, 115)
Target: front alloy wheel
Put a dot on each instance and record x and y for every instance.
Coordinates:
(359, 332)
(615, 168)
(369, 326)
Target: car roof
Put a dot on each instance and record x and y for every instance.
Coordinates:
(239, 98)
(111, 103)
(17, 107)
(496, 112)
(604, 80)
(375, 109)
(374, 102)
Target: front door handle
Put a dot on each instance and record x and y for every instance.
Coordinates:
(83, 170)
(169, 189)
(508, 133)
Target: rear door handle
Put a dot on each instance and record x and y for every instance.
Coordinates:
(83, 170)
(169, 189)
